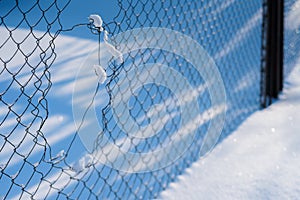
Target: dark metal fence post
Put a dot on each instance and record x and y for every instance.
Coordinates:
(273, 72)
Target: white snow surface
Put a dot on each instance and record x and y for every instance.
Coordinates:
(260, 160)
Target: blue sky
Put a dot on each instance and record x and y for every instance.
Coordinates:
(76, 12)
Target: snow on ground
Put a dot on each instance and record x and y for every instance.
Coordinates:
(260, 160)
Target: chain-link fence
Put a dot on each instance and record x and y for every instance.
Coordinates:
(291, 35)
(158, 99)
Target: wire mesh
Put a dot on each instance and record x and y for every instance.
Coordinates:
(291, 36)
(230, 32)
